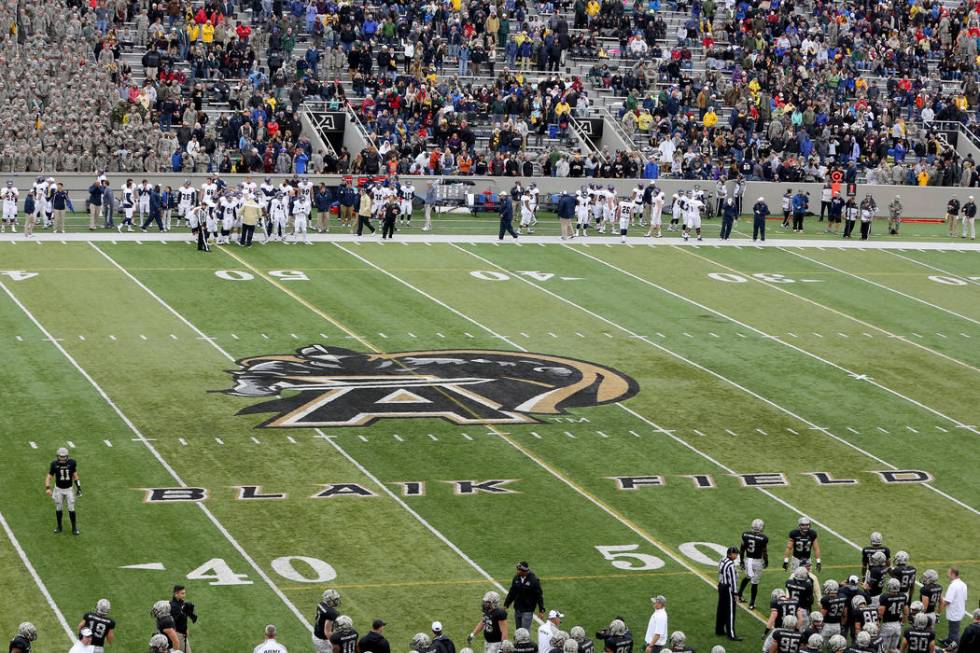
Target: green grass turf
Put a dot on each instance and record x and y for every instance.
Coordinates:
(716, 366)
(487, 223)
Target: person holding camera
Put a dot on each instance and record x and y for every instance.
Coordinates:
(181, 611)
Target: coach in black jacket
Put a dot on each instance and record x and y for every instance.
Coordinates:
(525, 593)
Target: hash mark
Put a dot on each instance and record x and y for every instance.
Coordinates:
(142, 337)
(81, 337)
(182, 441)
(234, 337)
(71, 445)
(524, 334)
(608, 335)
(398, 437)
(842, 335)
(534, 433)
(322, 335)
(942, 429)
(410, 335)
(866, 334)
(731, 432)
(363, 439)
(912, 429)
(112, 337)
(33, 445)
(602, 435)
(19, 339)
(791, 334)
(219, 440)
(579, 334)
(661, 335)
(816, 334)
(433, 438)
(882, 430)
(108, 443)
(712, 334)
(382, 335)
(854, 431)
(740, 335)
(291, 439)
(762, 432)
(941, 335)
(569, 434)
(264, 336)
(916, 335)
(255, 440)
(467, 334)
(699, 433)
(635, 434)
(294, 336)
(687, 334)
(440, 335)
(552, 334)
(172, 336)
(792, 431)
(964, 335)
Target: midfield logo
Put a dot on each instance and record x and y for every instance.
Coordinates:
(332, 386)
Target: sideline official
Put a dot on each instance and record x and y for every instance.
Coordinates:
(727, 588)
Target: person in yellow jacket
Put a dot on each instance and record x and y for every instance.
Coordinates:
(644, 121)
(193, 32)
(710, 118)
(592, 9)
(207, 33)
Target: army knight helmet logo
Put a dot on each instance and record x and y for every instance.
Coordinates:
(322, 386)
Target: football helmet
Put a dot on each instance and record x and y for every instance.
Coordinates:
(815, 641)
(800, 573)
(159, 643)
(577, 633)
(343, 624)
(677, 638)
(789, 622)
(803, 523)
(717, 648)
(901, 558)
(893, 586)
(420, 642)
(27, 631)
(103, 607)
(878, 559)
(330, 598)
(777, 593)
(929, 576)
(160, 609)
(876, 539)
(558, 639)
(921, 621)
(506, 646)
(617, 627)
(758, 525)
(837, 643)
(570, 646)
(63, 453)
(872, 629)
(858, 601)
(915, 607)
(816, 617)
(491, 600)
(523, 635)
(10, 183)
(831, 587)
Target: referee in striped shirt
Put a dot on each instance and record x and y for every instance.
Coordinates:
(727, 589)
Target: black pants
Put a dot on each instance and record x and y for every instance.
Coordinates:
(150, 219)
(758, 228)
(248, 230)
(364, 221)
(202, 240)
(726, 227)
(865, 229)
(725, 617)
(848, 228)
(388, 228)
(824, 206)
(507, 227)
(786, 215)
(798, 221)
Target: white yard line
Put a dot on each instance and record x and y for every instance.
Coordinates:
(883, 287)
(330, 440)
(721, 377)
(847, 316)
(59, 615)
(934, 268)
(774, 338)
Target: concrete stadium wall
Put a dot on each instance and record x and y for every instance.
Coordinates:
(927, 202)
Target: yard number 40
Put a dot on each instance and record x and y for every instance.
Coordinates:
(217, 572)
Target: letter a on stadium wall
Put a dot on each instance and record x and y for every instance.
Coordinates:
(322, 386)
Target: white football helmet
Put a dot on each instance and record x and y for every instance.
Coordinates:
(758, 525)
(27, 631)
(343, 624)
(330, 598)
(901, 558)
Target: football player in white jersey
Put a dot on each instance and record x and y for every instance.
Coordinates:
(143, 195)
(39, 191)
(128, 204)
(636, 195)
(608, 208)
(626, 209)
(582, 211)
(277, 216)
(211, 220)
(678, 205)
(48, 206)
(692, 216)
(527, 214)
(302, 206)
(186, 195)
(266, 191)
(407, 197)
(535, 202)
(656, 212)
(305, 187)
(10, 195)
(248, 187)
(209, 191)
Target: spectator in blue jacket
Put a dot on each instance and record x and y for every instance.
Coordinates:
(156, 209)
(506, 217)
(322, 201)
(801, 201)
(760, 212)
(94, 204)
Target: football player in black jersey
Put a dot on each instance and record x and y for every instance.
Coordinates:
(864, 614)
(523, 643)
(786, 639)
(782, 605)
(893, 610)
(877, 641)
(585, 644)
(801, 545)
(919, 638)
(64, 472)
(904, 573)
(753, 555)
(868, 551)
(344, 637)
(21, 643)
(165, 622)
(557, 642)
(678, 643)
(800, 587)
(833, 606)
(875, 576)
(862, 643)
(103, 628)
(493, 624)
(617, 638)
(326, 614)
(814, 643)
(931, 594)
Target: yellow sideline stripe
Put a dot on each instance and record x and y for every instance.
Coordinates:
(588, 495)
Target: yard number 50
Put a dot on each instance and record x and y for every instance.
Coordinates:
(623, 557)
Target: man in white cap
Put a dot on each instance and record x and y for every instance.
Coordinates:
(84, 643)
(547, 630)
(441, 643)
(968, 216)
(656, 636)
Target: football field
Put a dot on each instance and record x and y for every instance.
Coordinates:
(406, 421)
